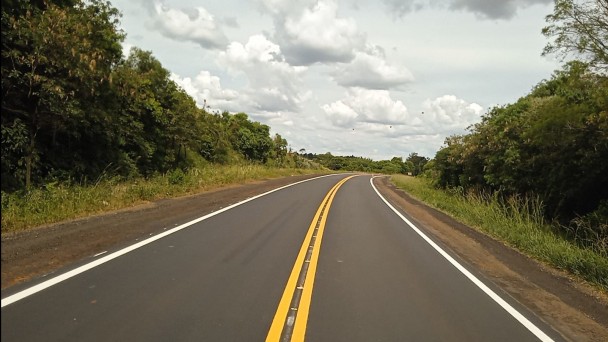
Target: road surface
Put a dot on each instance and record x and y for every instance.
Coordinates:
(322, 260)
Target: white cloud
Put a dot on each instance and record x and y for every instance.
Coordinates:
(375, 112)
(195, 24)
(449, 114)
(208, 92)
(370, 70)
(340, 114)
(314, 33)
(274, 85)
(366, 106)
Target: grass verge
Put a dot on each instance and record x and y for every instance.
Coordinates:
(56, 202)
(518, 222)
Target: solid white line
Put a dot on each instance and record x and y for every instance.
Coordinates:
(512, 311)
(53, 281)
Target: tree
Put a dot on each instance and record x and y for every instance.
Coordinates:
(250, 138)
(279, 149)
(567, 140)
(552, 143)
(448, 162)
(157, 121)
(402, 166)
(56, 62)
(418, 162)
(580, 28)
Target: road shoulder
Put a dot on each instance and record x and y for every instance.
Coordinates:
(577, 310)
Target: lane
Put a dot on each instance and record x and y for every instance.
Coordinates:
(289, 323)
(217, 280)
(378, 280)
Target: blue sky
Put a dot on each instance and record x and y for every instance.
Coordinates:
(376, 79)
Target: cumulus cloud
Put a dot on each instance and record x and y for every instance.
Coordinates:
(274, 85)
(207, 91)
(370, 70)
(311, 32)
(449, 114)
(340, 114)
(366, 106)
(195, 24)
(375, 112)
(488, 9)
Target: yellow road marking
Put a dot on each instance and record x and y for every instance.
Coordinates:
(279, 321)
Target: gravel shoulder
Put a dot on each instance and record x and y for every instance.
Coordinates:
(576, 309)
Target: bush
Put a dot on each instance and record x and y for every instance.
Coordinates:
(176, 176)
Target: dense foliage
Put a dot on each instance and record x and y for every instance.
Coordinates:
(552, 143)
(74, 108)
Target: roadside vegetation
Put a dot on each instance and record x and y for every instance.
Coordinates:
(517, 221)
(413, 164)
(58, 201)
(552, 144)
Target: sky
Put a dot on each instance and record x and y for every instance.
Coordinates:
(370, 78)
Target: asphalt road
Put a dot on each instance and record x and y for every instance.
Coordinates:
(323, 260)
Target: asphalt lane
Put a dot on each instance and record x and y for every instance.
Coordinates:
(378, 280)
(217, 280)
(221, 279)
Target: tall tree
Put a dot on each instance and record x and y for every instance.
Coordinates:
(279, 149)
(579, 28)
(56, 62)
(250, 138)
(418, 162)
(157, 121)
(552, 143)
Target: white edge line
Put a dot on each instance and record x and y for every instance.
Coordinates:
(53, 281)
(512, 311)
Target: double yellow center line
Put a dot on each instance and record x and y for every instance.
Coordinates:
(289, 323)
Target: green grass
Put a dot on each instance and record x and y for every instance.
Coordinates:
(518, 222)
(56, 202)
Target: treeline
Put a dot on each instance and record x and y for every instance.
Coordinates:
(551, 144)
(413, 164)
(74, 108)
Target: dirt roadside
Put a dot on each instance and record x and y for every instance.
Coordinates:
(579, 312)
